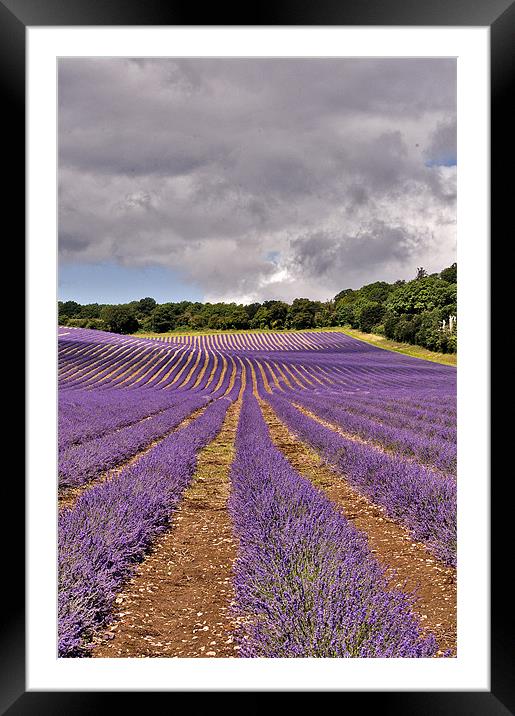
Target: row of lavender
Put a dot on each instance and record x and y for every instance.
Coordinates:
(87, 415)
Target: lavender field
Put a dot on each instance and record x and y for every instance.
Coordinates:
(321, 468)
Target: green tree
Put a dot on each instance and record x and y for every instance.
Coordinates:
(163, 318)
(450, 274)
(419, 295)
(271, 314)
(429, 331)
(325, 315)
(452, 343)
(119, 319)
(345, 315)
(277, 311)
(368, 314)
(301, 319)
(90, 310)
(237, 317)
(261, 318)
(146, 306)
(345, 294)
(377, 292)
(301, 313)
(404, 330)
(69, 309)
(251, 310)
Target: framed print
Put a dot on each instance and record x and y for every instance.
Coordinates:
(314, 154)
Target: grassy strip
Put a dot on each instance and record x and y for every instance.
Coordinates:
(406, 348)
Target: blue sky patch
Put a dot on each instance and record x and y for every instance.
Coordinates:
(441, 162)
(112, 283)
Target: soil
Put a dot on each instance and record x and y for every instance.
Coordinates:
(409, 564)
(178, 603)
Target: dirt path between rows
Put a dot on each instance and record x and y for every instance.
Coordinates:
(411, 564)
(68, 496)
(178, 602)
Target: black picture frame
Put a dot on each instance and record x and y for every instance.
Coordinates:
(499, 15)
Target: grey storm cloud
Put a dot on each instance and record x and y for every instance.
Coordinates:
(334, 255)
(259, 178)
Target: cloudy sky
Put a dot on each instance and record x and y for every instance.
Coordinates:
(251, 179)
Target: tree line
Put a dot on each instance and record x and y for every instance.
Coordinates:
(421, 311)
